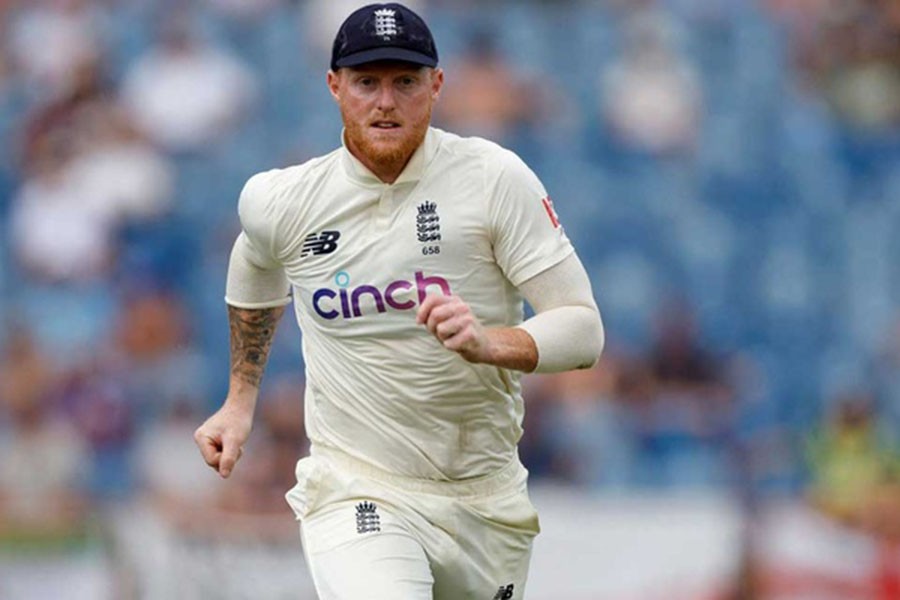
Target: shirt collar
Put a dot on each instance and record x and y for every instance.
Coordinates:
(413, 171)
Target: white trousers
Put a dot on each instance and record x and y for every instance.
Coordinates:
(370, 535)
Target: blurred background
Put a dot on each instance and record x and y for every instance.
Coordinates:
(728, 169)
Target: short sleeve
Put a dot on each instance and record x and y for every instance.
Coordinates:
(527, 235)
(258, 222)
(256, 278)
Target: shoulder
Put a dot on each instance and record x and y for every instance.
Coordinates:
(497, 161)
(271, 192)
(469, 147)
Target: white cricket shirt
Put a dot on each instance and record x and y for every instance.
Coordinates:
(465, 217)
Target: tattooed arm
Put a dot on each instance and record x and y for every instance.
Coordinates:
(256, 292)
(251, 338)
(222, 436)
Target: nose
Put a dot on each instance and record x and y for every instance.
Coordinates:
(386, 97)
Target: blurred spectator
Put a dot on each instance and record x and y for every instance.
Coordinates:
(651, 95)
(854, 468)
(179, 488)
(683, 410)
(243, 10)
(851, 52)
(185, 93)
(55, 235)
(154, 354)
(87, 173)
(62, 116)
(864, 84)
(660, 419)
(51, 40)
(26, 376)
(592, 441)
(506, 101)
(679, 362)
(96, 403)
(536, 445)
(118, 171)
(44, 459)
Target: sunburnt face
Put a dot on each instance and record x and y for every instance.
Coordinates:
(386, 109)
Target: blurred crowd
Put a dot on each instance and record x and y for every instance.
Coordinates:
(730, 171)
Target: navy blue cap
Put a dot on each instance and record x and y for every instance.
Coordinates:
(383, 32)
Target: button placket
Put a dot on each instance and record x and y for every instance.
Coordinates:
(383, 212)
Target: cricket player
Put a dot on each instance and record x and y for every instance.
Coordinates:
(407, 253)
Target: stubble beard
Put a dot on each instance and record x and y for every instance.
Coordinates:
(391, 156)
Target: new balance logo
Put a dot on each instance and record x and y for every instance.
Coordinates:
(505, 592)
(428, 223)
(320, 243)
(366, 518)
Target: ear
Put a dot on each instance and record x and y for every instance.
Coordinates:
(333, 79)
(437, 82)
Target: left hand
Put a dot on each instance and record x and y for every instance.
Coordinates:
(451, 321)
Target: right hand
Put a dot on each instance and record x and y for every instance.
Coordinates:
(222, 437)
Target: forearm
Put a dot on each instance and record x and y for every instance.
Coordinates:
(252, 331)
(511, 348)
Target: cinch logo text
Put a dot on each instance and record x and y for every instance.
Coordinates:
(345, 302)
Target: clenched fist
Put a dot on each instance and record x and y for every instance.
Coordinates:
(222, 437)
(451, 321)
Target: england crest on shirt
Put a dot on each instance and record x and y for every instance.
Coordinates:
(428, 228)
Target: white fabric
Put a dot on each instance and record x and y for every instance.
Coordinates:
(566, 327)
(412, 539)
(379, 386)
(251, 286)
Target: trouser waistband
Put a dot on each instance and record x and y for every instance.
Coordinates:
(485, 485)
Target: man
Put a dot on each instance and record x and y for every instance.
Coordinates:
(408, 251)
